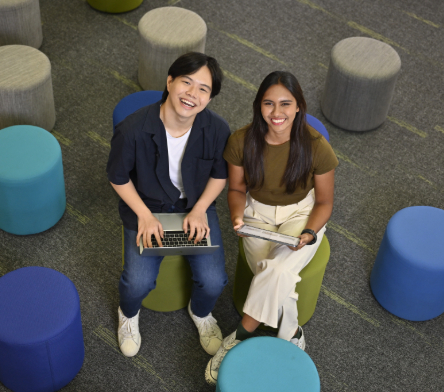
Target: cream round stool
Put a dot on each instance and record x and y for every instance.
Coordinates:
(26, 96)
(20, 23)
(360, 81)
(165, 34)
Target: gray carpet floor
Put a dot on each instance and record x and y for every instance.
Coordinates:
(355, 343)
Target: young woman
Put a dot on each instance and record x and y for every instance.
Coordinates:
(281, 178)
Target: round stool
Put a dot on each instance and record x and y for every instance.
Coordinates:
(20, 23)
(165, 34)
(133, 102)
(316, 124)
(26, 95)
(264, 364)
(173, 285)
(114, 6)
(308, 288)
(360, 82)
(41, 339)
(408, 275)
(32, 187)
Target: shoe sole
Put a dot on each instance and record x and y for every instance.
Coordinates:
(208, 377)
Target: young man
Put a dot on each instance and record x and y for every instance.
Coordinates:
(167, 157)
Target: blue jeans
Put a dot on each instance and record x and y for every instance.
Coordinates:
(140, 273)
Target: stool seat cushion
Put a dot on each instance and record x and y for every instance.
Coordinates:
(26, 95)
(32, 187)
(41, 338)
(165, 34)
(408, 275)
(114, 6)
(264, 364)
(360, 82)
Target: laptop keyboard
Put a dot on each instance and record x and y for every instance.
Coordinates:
(177, 238)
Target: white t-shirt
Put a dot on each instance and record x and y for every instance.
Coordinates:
(176, 149)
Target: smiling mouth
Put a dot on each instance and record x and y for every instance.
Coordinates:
(188, 103)
(276, 121)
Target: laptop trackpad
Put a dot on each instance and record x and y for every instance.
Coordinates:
(171, 222)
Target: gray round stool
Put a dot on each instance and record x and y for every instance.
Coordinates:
(20, 23)
(26, 96)
(360, 81)
(165, 34)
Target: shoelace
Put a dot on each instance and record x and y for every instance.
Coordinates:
(206, 326)
(126, 329)
(217, 359)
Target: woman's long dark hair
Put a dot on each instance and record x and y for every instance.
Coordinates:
(300, 157)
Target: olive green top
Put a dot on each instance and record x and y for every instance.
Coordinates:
(275, 162)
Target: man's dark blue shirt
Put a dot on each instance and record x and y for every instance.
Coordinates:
(139, 152)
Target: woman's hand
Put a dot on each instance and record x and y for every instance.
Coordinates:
(305, 239)
(237, 224)
(149, 225)
(197, 222)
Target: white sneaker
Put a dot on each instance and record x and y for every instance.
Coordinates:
(213, 366)
(128, 334)
(209, 332)
(299, 342)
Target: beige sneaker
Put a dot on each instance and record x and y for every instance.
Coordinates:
(128, 334)
(299, 342)
(209, 331)
(213, 366)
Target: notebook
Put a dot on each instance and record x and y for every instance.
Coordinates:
(175, 241)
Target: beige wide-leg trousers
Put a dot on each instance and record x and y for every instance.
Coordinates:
(272, 297)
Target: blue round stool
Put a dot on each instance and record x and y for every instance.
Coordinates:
(316, 124)
(265, 364)
(41, 338)
(32, 187)
(133, 102)
(408, 275)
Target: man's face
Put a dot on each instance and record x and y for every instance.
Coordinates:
(190, 94)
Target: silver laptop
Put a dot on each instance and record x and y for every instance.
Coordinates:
(175, 241)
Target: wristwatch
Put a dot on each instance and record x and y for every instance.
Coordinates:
(310, 231)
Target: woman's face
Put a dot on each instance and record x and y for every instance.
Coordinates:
(279, 109)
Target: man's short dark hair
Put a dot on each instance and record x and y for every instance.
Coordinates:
(190, 63)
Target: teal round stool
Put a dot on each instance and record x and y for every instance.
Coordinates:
(32, 187)
(265, 364)
(114, 6)
(308, 288)
(173, 284)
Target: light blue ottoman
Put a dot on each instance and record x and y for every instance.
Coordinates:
(265, 364)
(32, 187)
(41, 338)
(408, 275)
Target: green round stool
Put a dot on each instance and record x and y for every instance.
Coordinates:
(114, 6)
(308, 288)
(173, 284)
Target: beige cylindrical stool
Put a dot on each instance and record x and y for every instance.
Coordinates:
(20, 23)
(360, 81)
(26, 95)
(165, 34)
